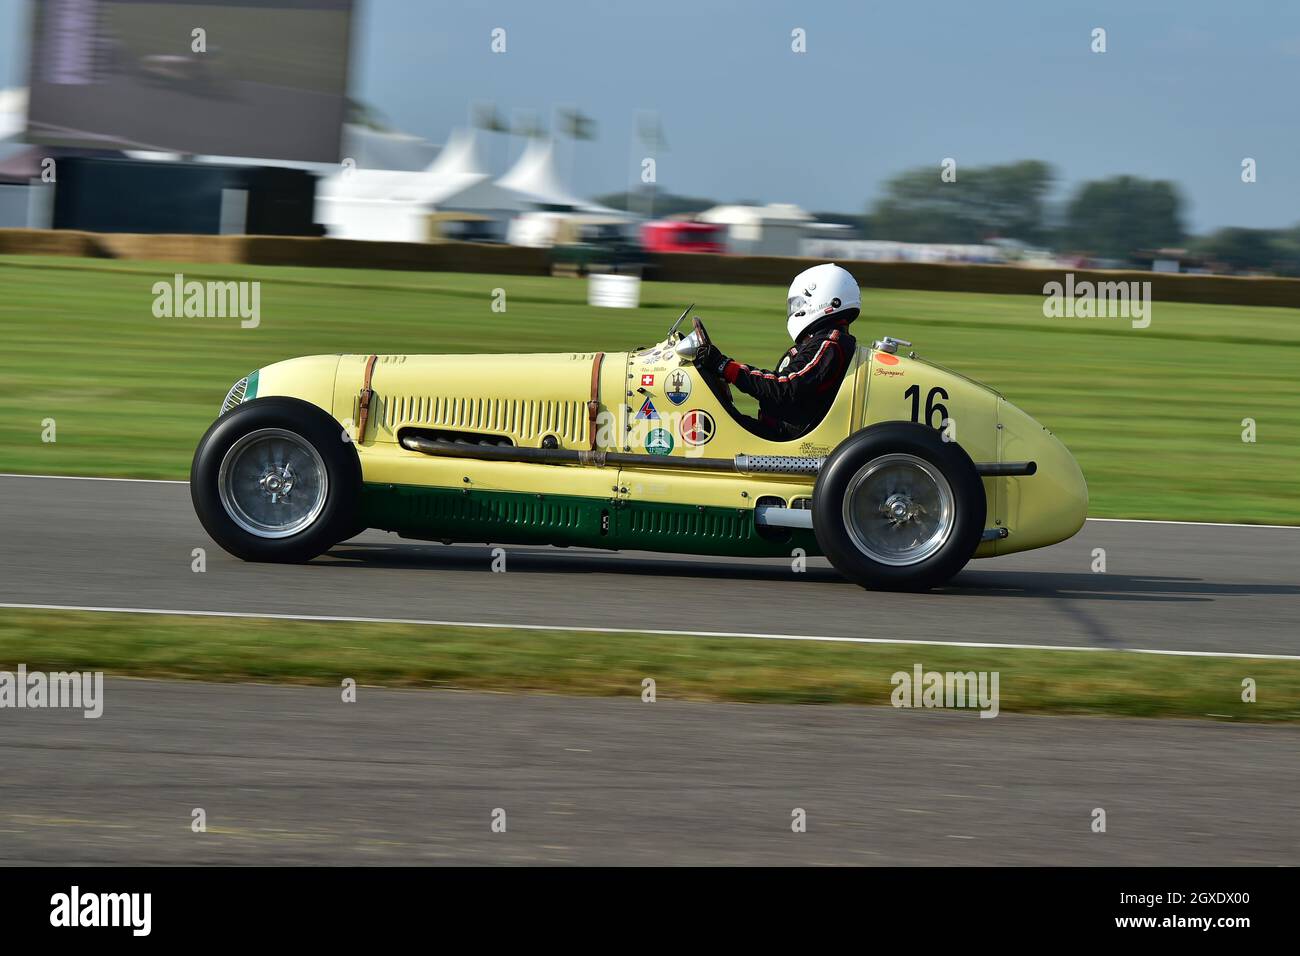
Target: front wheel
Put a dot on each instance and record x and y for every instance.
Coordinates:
(897, 508)
(274, 480)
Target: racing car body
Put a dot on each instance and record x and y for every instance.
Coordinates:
(914, 470)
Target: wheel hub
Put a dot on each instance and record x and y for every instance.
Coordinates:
(273, 483)
(277, 483)
(899, 509)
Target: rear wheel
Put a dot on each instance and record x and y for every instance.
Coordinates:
(897, 508)
(273, 480)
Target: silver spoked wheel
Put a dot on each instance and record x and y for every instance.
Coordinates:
(899, 509)
(272, 483)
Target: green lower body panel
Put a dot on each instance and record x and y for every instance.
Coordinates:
(505, 517)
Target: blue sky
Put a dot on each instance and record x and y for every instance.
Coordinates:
(1185, 91)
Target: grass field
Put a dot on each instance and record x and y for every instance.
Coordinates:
(609, 665)
(1154, 416)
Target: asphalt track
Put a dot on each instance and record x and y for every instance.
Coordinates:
(294, 775)
(1167, 587)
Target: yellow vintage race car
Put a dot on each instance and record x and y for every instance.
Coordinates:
(914, 470)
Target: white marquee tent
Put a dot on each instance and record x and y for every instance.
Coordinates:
(535, 177)
(395, 205)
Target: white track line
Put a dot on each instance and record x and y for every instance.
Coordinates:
(142, 481)
(1202, 524)
(493, 625)
(172, 481)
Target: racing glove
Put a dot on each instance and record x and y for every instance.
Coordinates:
(709, 359)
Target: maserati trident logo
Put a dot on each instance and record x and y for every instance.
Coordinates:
(678, 388)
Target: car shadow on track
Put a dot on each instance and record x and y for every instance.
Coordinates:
(1103, 587)
(1010, 583)
(563, 561)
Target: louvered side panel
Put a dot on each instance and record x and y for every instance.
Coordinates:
(525, 421)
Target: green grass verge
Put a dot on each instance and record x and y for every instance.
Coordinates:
(1154, 416)
(1108, 683)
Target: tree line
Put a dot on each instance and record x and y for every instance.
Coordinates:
(1122, 218)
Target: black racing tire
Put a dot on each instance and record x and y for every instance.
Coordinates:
(325, 467)
(872, 469)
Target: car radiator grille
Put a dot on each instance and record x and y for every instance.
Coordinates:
(524, 420)
(236, 395)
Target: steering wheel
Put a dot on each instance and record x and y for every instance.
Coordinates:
(717, 385)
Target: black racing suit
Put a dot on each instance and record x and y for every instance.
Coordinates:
(798, 394)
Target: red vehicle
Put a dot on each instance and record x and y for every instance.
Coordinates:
(676, 235)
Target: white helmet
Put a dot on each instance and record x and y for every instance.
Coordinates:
(818, 293)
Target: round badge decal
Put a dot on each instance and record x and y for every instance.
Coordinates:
(884, 358)
(697, 427)
(678, 386)
(659, 441)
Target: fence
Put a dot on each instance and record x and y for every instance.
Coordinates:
(669, 267)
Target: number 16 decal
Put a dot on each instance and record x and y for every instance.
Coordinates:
(932, 407)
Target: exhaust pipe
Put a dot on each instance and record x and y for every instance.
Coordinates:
(747, 465)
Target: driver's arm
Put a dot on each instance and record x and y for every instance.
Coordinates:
(807, 374)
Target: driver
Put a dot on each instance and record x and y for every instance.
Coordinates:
(822, 302)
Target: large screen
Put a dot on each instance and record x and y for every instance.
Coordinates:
(256, 78)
